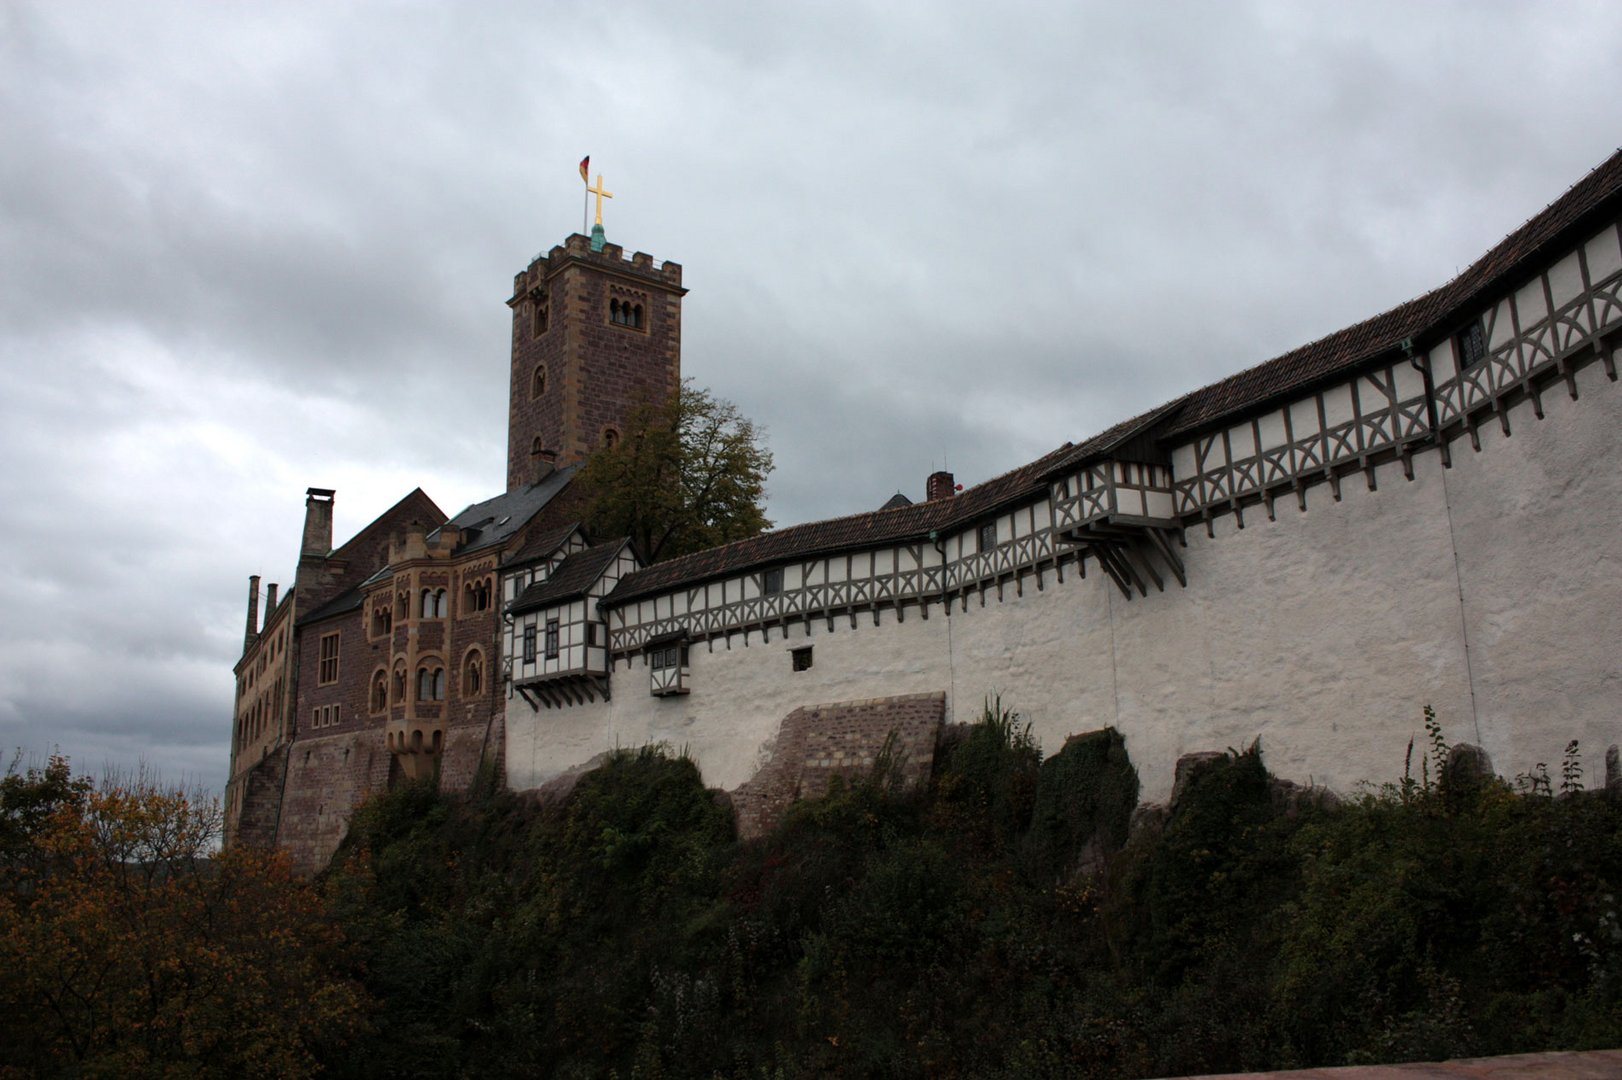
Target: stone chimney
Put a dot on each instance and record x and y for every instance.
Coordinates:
(939, 486)
(270, 601)
(314, 575)
(251, 635)
(317, 523)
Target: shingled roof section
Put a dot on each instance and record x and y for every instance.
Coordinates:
(1559, 224)
(904, 523)
(573, 578)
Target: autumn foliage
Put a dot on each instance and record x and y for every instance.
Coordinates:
(131, 946)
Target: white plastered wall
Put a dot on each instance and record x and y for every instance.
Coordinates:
(1323, 632)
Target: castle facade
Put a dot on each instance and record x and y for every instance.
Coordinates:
(1419, 509)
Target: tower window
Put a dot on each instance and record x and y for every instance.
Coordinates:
(380, 692)
(537, 381)
(473, 674)
(625, 313)
(611, 438)
(542, 320)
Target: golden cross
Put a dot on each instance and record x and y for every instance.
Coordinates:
(601, 195)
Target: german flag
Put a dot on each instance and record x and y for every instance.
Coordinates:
(585, 169)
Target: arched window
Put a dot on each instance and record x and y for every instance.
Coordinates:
(537, 382)
(382, 620)
(476, 596)
(399, 684)
(430, 683)
(441, 604)
(433, 603)
(611, 438)
(636, 317)
(473, 674)
(380, 691)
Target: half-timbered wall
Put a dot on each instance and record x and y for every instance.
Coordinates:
(513, 582)
(1456, 548)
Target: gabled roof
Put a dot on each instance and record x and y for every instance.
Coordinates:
(573, 578)
(1559, 224)
(896, 501)
(415, 506)
(542, 544)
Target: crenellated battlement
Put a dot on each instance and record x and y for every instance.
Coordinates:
(577, 248)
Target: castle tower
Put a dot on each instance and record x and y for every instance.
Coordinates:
(594, 335)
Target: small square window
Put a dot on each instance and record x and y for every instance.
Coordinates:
(801, 658)
(988, 536)
(771, 581)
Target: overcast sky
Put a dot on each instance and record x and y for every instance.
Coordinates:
(250, 248)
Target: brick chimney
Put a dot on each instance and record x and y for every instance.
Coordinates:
(270, 601)
(252, 633)
(939, 486)
(317, 523)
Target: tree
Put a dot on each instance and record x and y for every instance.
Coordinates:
(131, 946)
(688, 474)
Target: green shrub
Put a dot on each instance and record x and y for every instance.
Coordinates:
(1085, 796)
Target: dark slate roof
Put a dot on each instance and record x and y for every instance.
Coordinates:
(341, 604)
(494, 521)
(573, 578)
(896, 501)
(542, 545)
(1435, 313)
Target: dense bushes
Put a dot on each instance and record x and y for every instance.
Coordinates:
(993, 925)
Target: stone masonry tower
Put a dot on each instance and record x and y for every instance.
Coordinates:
(594, 335)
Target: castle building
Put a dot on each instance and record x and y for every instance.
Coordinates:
(384, 660)
(1418, 509)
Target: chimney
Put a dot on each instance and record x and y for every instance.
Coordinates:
(252, 633)
(270, 602)
(938, 486)
(547, 465)
(317, 523)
